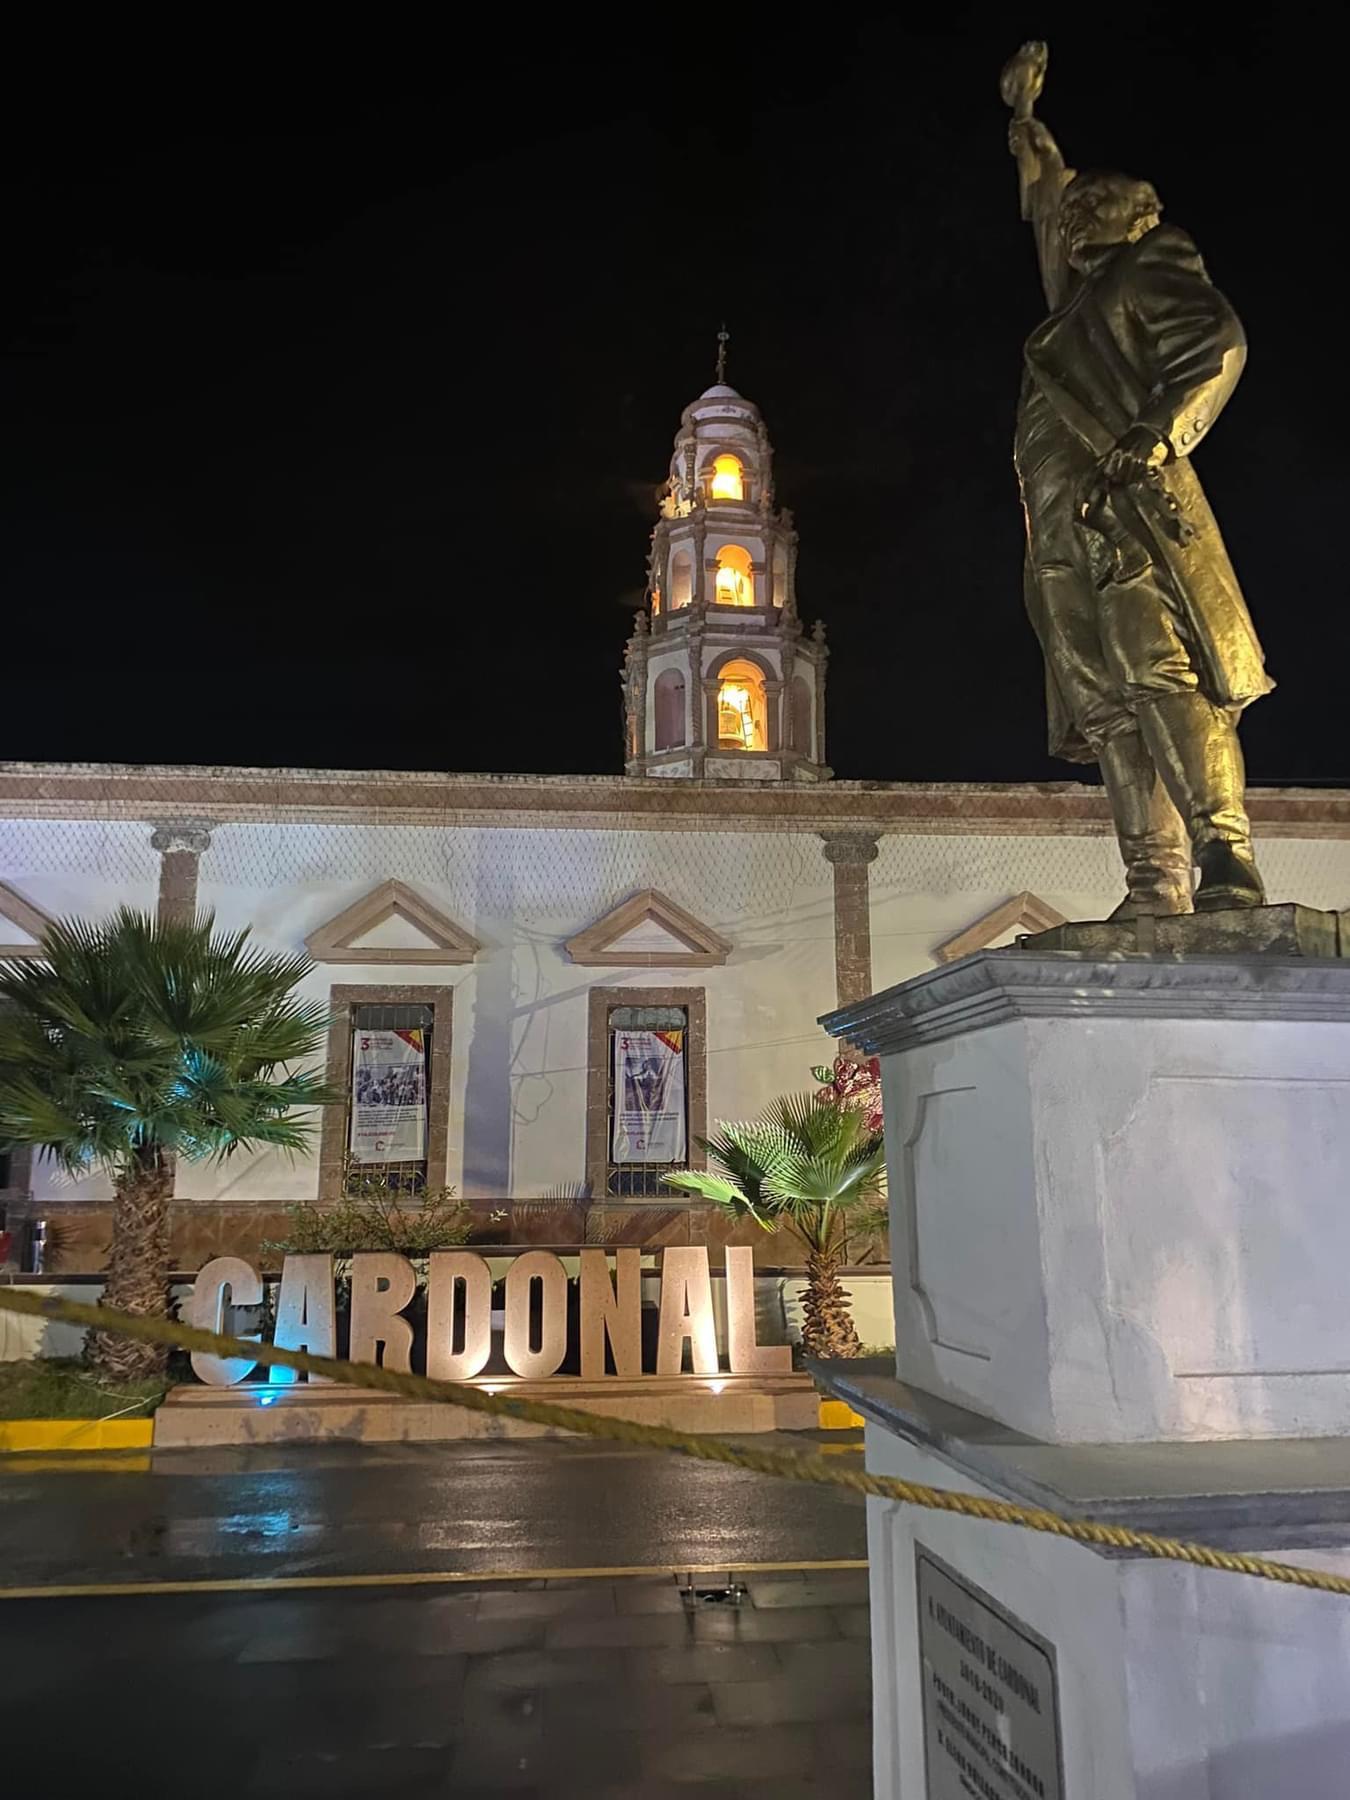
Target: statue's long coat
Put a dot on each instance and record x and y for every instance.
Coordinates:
(1150, 340)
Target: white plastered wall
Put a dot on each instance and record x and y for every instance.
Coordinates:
(520, 1011)
(519, 1050)
(926, 889)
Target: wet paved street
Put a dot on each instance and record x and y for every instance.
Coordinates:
(553, 1687)
(515, 1506)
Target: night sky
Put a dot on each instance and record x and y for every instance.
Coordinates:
(339, 374)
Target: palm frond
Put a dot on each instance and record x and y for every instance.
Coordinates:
(827, 1182)
(734, 1162)
(817, 1127)
(805, 1164)
(719, 1191)
(135, 1033)
(288, 1034)
(38, 1113)
(764, 1144)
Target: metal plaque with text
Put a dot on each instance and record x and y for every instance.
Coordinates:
(990, 1695)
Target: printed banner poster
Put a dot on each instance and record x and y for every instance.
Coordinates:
(389, 1097)
(648, 1097)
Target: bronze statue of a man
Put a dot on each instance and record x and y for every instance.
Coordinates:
(1149, 649)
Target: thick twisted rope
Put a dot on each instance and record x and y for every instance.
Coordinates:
(782, 1465)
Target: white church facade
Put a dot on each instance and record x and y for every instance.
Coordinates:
(721, 893)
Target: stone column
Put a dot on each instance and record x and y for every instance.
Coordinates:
(633, 682)
(710, 713)
(775, 736)
(850, 853)
(181, 843)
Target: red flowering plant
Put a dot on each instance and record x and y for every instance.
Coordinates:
(855, 1086)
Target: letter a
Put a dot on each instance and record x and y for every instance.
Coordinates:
(305, 1311)
(686, 1311)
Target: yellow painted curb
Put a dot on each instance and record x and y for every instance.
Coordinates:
(838, 1415)
(76, 1434)
(103, 1462)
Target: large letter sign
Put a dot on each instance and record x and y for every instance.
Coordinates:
(383, 1325)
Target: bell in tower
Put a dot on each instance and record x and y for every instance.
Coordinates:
(719, 682)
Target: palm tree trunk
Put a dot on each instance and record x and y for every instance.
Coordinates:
(138, 1267)
(827, 1326)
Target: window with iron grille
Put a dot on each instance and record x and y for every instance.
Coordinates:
(637, 1162)
(413, 1006)
(611, 1012)
(390, 1092)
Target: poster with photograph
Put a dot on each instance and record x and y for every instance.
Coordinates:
(649, 1122)
(389, 1097)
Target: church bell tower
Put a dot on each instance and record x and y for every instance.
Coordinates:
(719, 682)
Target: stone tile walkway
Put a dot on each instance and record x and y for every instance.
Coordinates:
(609, 1689)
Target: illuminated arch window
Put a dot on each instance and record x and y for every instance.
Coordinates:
(741, 707)
(728, 479)
(735, 584)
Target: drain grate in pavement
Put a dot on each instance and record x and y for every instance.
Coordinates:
(697, 1595)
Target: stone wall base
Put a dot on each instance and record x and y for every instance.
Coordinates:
(258, 1414)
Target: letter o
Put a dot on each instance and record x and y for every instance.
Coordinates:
(545, 1268)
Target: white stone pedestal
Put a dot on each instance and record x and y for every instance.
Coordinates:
(1120, 1233)
(1150, 1680)
(1120, 1192)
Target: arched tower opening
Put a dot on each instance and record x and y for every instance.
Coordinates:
(734, 584)
(742, 707)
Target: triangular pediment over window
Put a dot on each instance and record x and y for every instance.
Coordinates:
(648, 931)
(21, 924)
(1023, 914)
(392, 924)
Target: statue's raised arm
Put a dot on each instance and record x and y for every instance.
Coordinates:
(1042, 174)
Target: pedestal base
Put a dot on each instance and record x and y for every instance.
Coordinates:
(1007, 1663)
(259, 1414)
(1119, 1194)
(1284, 930)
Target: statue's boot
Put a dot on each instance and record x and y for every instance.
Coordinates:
(1153, 842)
(1194, 745)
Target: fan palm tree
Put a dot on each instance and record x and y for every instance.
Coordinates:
(135, 1041)
(805, 1166)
